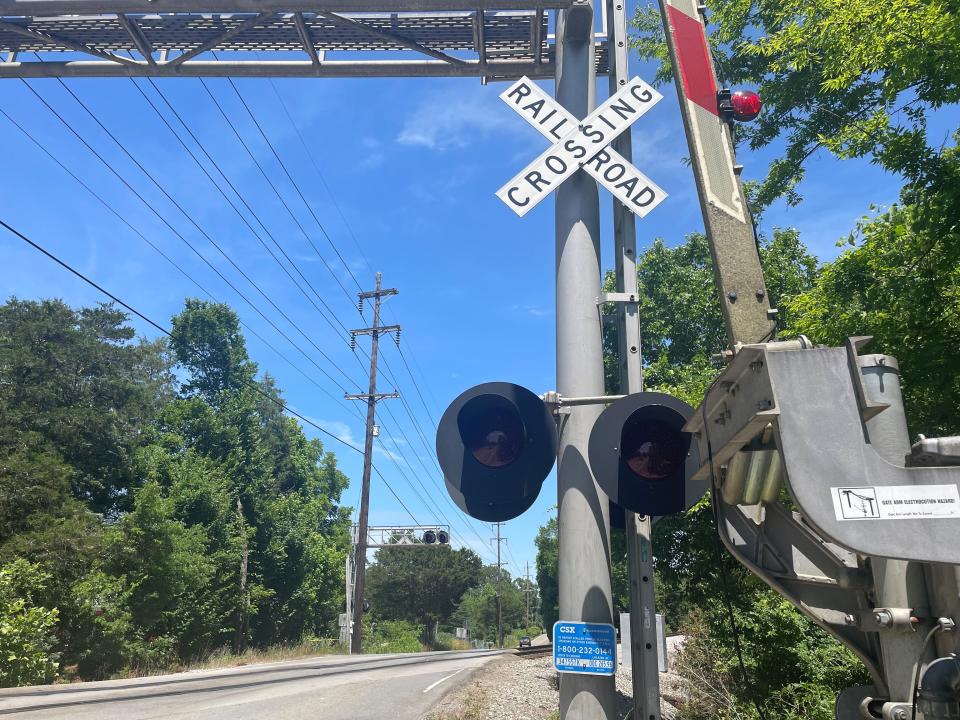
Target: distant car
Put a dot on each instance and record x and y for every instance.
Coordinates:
(525, 642)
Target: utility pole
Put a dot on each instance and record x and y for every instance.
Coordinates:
(371, 397)
(583, 516)
(526, 595)
(499, 587)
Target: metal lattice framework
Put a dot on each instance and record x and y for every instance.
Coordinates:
(326, 38)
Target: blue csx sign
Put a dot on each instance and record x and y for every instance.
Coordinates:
(585, 647)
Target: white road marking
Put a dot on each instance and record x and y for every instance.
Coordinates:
(431, 687)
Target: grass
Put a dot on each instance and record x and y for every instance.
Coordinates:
(472, 708)
(225, 658)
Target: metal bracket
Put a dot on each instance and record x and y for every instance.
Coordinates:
(560, 404)
(868, 408)
(618, 297)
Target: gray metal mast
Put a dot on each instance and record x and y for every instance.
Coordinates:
(371, 398)
(499, 589)
(583, 517)
(639, 529)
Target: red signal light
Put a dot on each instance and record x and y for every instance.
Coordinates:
(746, 105)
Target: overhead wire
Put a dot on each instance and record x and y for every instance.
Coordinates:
(233, 206)
(250, 383)
(259, 165)
(306, 204)
(240, 195)
(293, 182)
(239, 137)
(232, 187)
(309, 208)
(166, 222)
(323, 179)
(349, 227)
(160, 251)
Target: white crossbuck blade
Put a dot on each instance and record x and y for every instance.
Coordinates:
(581, 144)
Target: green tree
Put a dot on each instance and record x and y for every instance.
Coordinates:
(899, 284)
(478, 606)
(860, 79)
(207, 341)
(548, 566)
(165, 520)
(421, 585)
(76, 379)
(789, 659)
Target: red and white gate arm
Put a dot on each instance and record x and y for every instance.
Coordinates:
(729, 228)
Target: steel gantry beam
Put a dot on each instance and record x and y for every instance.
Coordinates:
(490, 39)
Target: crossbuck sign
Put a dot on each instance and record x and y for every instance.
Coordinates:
(581, 144)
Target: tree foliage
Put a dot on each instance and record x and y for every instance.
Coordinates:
(858, 79)
(26, 628)
(548, 568)
(165, 519)
(422, 585)
(478, 606)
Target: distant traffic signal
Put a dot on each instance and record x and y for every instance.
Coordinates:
(496, 444)
(436, 536)
(640, 456)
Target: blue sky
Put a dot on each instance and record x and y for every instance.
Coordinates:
(409, 170)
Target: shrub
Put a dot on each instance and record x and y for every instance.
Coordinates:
(26, 629)
(392, 636)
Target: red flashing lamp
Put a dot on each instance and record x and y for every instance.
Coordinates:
(746, 105)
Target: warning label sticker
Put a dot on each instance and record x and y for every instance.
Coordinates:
(896, 502)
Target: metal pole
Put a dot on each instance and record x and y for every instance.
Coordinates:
(499, 595)
(583, 517)
(898, 583)
(639, 529)
(526, 597)
(345, 633)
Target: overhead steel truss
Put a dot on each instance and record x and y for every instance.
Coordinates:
(490, 39)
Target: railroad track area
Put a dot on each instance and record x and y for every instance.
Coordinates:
(535, 651)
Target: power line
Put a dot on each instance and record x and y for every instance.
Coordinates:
(276, 191)
(293, 182)
(316, 167)
(193, 221)
(241, 197)
(179, 207)
(162, 254)
(309, 208)
(250, 383)
(164, 330)
(320, 174)
(163, 219)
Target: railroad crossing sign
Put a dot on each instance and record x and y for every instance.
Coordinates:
(581, 144)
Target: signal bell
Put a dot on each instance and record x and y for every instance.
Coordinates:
(496, 444)
(640, 456)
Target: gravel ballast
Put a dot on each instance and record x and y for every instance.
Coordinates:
(515, 688)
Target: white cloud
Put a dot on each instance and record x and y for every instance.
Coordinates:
(534, 310)
(456, 118)
(339, 430)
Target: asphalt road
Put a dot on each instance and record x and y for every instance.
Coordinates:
(398, 687)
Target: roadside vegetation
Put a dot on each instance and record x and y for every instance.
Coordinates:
(430, 592)
(156, 507)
